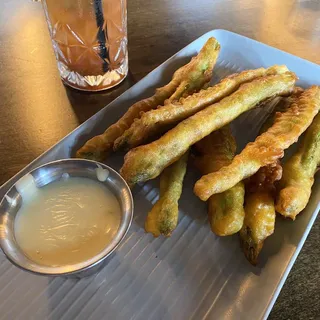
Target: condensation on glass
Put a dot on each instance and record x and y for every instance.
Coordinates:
(89, 38)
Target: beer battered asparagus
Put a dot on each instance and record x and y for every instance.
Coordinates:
(157, 121)
(148, 161)
(163, 217)
(186, 80)
(298, 173)
(260, 214)
(267, 148)
(225, 210)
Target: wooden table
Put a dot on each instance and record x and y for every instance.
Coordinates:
(37, 110)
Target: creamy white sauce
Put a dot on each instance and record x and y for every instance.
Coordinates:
(102, 174)
(65, 222)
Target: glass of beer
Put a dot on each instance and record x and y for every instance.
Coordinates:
(89, 39)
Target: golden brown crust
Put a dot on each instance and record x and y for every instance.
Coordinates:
(225, 210)
(259, 209)
(298, 173)
(267, 148)
(265, 178)
(157, 121)
(163, 217)
(215, 150)
(258, 223)
(186, 80)
(260, 213)
(282, 105)
(148, 161)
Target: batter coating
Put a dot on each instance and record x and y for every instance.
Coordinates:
(186, 80)
(225, 210)
(163, 217)
(157, 121)
(148, 161)
(267, 148)
(298, 173)
(260, 214)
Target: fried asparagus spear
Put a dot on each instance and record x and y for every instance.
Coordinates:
(267, 148)
(186, 80)
(225, 210)
(298, 173)
(157, 121)
(148, 161)
(260, 214)
(259, 209)
(163, 217)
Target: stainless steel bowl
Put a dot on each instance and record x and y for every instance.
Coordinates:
(44, 175)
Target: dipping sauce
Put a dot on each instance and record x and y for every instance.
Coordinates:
(65, 222)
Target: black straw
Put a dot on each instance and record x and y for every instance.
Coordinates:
(102, 35)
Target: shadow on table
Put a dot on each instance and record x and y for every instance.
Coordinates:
(86, 104)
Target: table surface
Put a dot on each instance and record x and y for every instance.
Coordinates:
(37, 110)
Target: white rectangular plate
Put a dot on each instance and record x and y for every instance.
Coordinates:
(193, 274)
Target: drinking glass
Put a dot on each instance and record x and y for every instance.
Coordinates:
(89, 39)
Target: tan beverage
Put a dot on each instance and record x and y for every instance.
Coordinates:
(90, 41)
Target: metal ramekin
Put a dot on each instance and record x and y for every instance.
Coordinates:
(44, 175)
